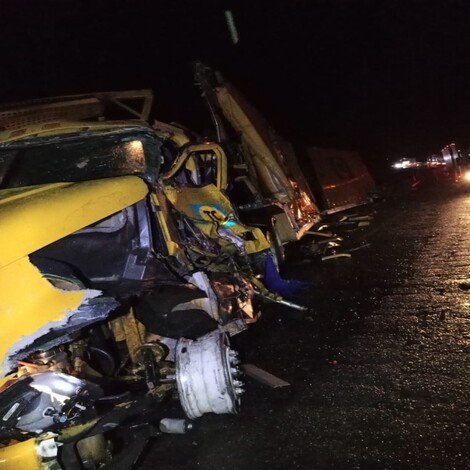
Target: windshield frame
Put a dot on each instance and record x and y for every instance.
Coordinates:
(151, 144)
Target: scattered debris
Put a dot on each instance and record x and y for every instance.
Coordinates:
(335, 256)
(176, 426)
(320, 234)
(264, 377)
(360, 247)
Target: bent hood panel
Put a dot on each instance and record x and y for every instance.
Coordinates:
(33, 217)
(31, 307)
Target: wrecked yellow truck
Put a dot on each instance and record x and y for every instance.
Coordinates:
(122, 267)
(195, 182)
(102, 298)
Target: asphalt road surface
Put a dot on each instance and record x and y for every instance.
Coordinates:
(379, 371)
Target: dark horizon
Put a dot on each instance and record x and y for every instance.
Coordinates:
(386, 79)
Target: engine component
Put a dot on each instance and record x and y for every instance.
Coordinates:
(53, 356)
(53, 360)
(206, 376)
(46, 402)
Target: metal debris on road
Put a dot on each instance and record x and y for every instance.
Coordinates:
(264, 377)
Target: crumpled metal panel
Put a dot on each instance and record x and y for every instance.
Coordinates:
(33, 217)
(31, 307)
(211, 210)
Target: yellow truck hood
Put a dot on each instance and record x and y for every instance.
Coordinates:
(35, 216)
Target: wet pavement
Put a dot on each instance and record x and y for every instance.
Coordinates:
(379, 371)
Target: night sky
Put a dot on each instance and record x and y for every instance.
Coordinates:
(386, 78)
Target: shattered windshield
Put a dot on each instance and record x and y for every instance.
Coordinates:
(76, 158)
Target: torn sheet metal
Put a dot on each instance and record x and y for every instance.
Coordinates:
(31, 307)
(210, 303)
(210, 210)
